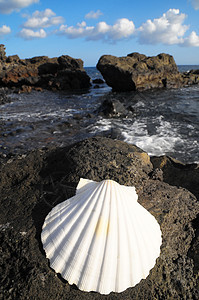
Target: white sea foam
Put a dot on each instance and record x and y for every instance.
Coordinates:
(32, 116)
(154, 144)
(163, 142)
(163, 122)
(138, 133)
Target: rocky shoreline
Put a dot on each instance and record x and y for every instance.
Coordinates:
(42, 72)
(138, 72)
(32, 184)
(130, 73)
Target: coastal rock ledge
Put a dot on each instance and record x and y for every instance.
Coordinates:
(58, 73)
(30, 185)
(139, 72)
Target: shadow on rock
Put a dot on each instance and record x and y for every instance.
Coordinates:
(31, 185)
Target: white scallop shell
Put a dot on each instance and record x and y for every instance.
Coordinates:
(101, 239)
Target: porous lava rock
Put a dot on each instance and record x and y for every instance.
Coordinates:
(112, 108)
(2, 52)
(98, 81)
(58, 73)
(32, 184)
(4, 96)
(139, 72)
(183, 175)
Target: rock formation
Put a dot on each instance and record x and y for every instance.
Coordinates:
(2, 52)
(139, 72)
(112, 108)
(62, 73)
(187, 176)
(31, 185)
(3, 96)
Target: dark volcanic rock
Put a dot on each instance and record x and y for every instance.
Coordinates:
(112, 108)
(191, 77)
(2, 52)
(4, 96)
(194, 72)
(66, 62)
(177, 173)
(98, 81)
(30, 186)
(12, 59)
(186, 176)
(62, 73)
(137, 72)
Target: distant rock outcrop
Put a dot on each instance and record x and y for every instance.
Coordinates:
(62, 73)
(2, 52)
(139, 72)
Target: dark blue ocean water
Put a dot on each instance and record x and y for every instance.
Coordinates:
(164, 122)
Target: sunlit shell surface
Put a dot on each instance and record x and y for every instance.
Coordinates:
(101, 239)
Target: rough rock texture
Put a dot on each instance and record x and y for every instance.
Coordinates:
(62, 73)
(112, 108)
(137, 72)
(177, 173)
(2, 52)
(187, 176)
(31, 185)
(4, 96)
(98, 81)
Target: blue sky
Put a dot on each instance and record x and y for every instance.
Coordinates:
(89, 29)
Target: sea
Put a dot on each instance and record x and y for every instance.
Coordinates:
(163, 122)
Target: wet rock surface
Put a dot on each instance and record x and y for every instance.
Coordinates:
(30, 185)
(112, 108)
(139, 72)
(58, 73)
(4, 96)
(98, 81)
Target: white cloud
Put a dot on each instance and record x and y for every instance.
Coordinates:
(192, 40)
(29, 34)
(43, 19)
(94, 15)
(35, 24)
(8, 6)
(81, 30)
(4, 30)
(195, 4)
(168, 29)
(123, 28)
